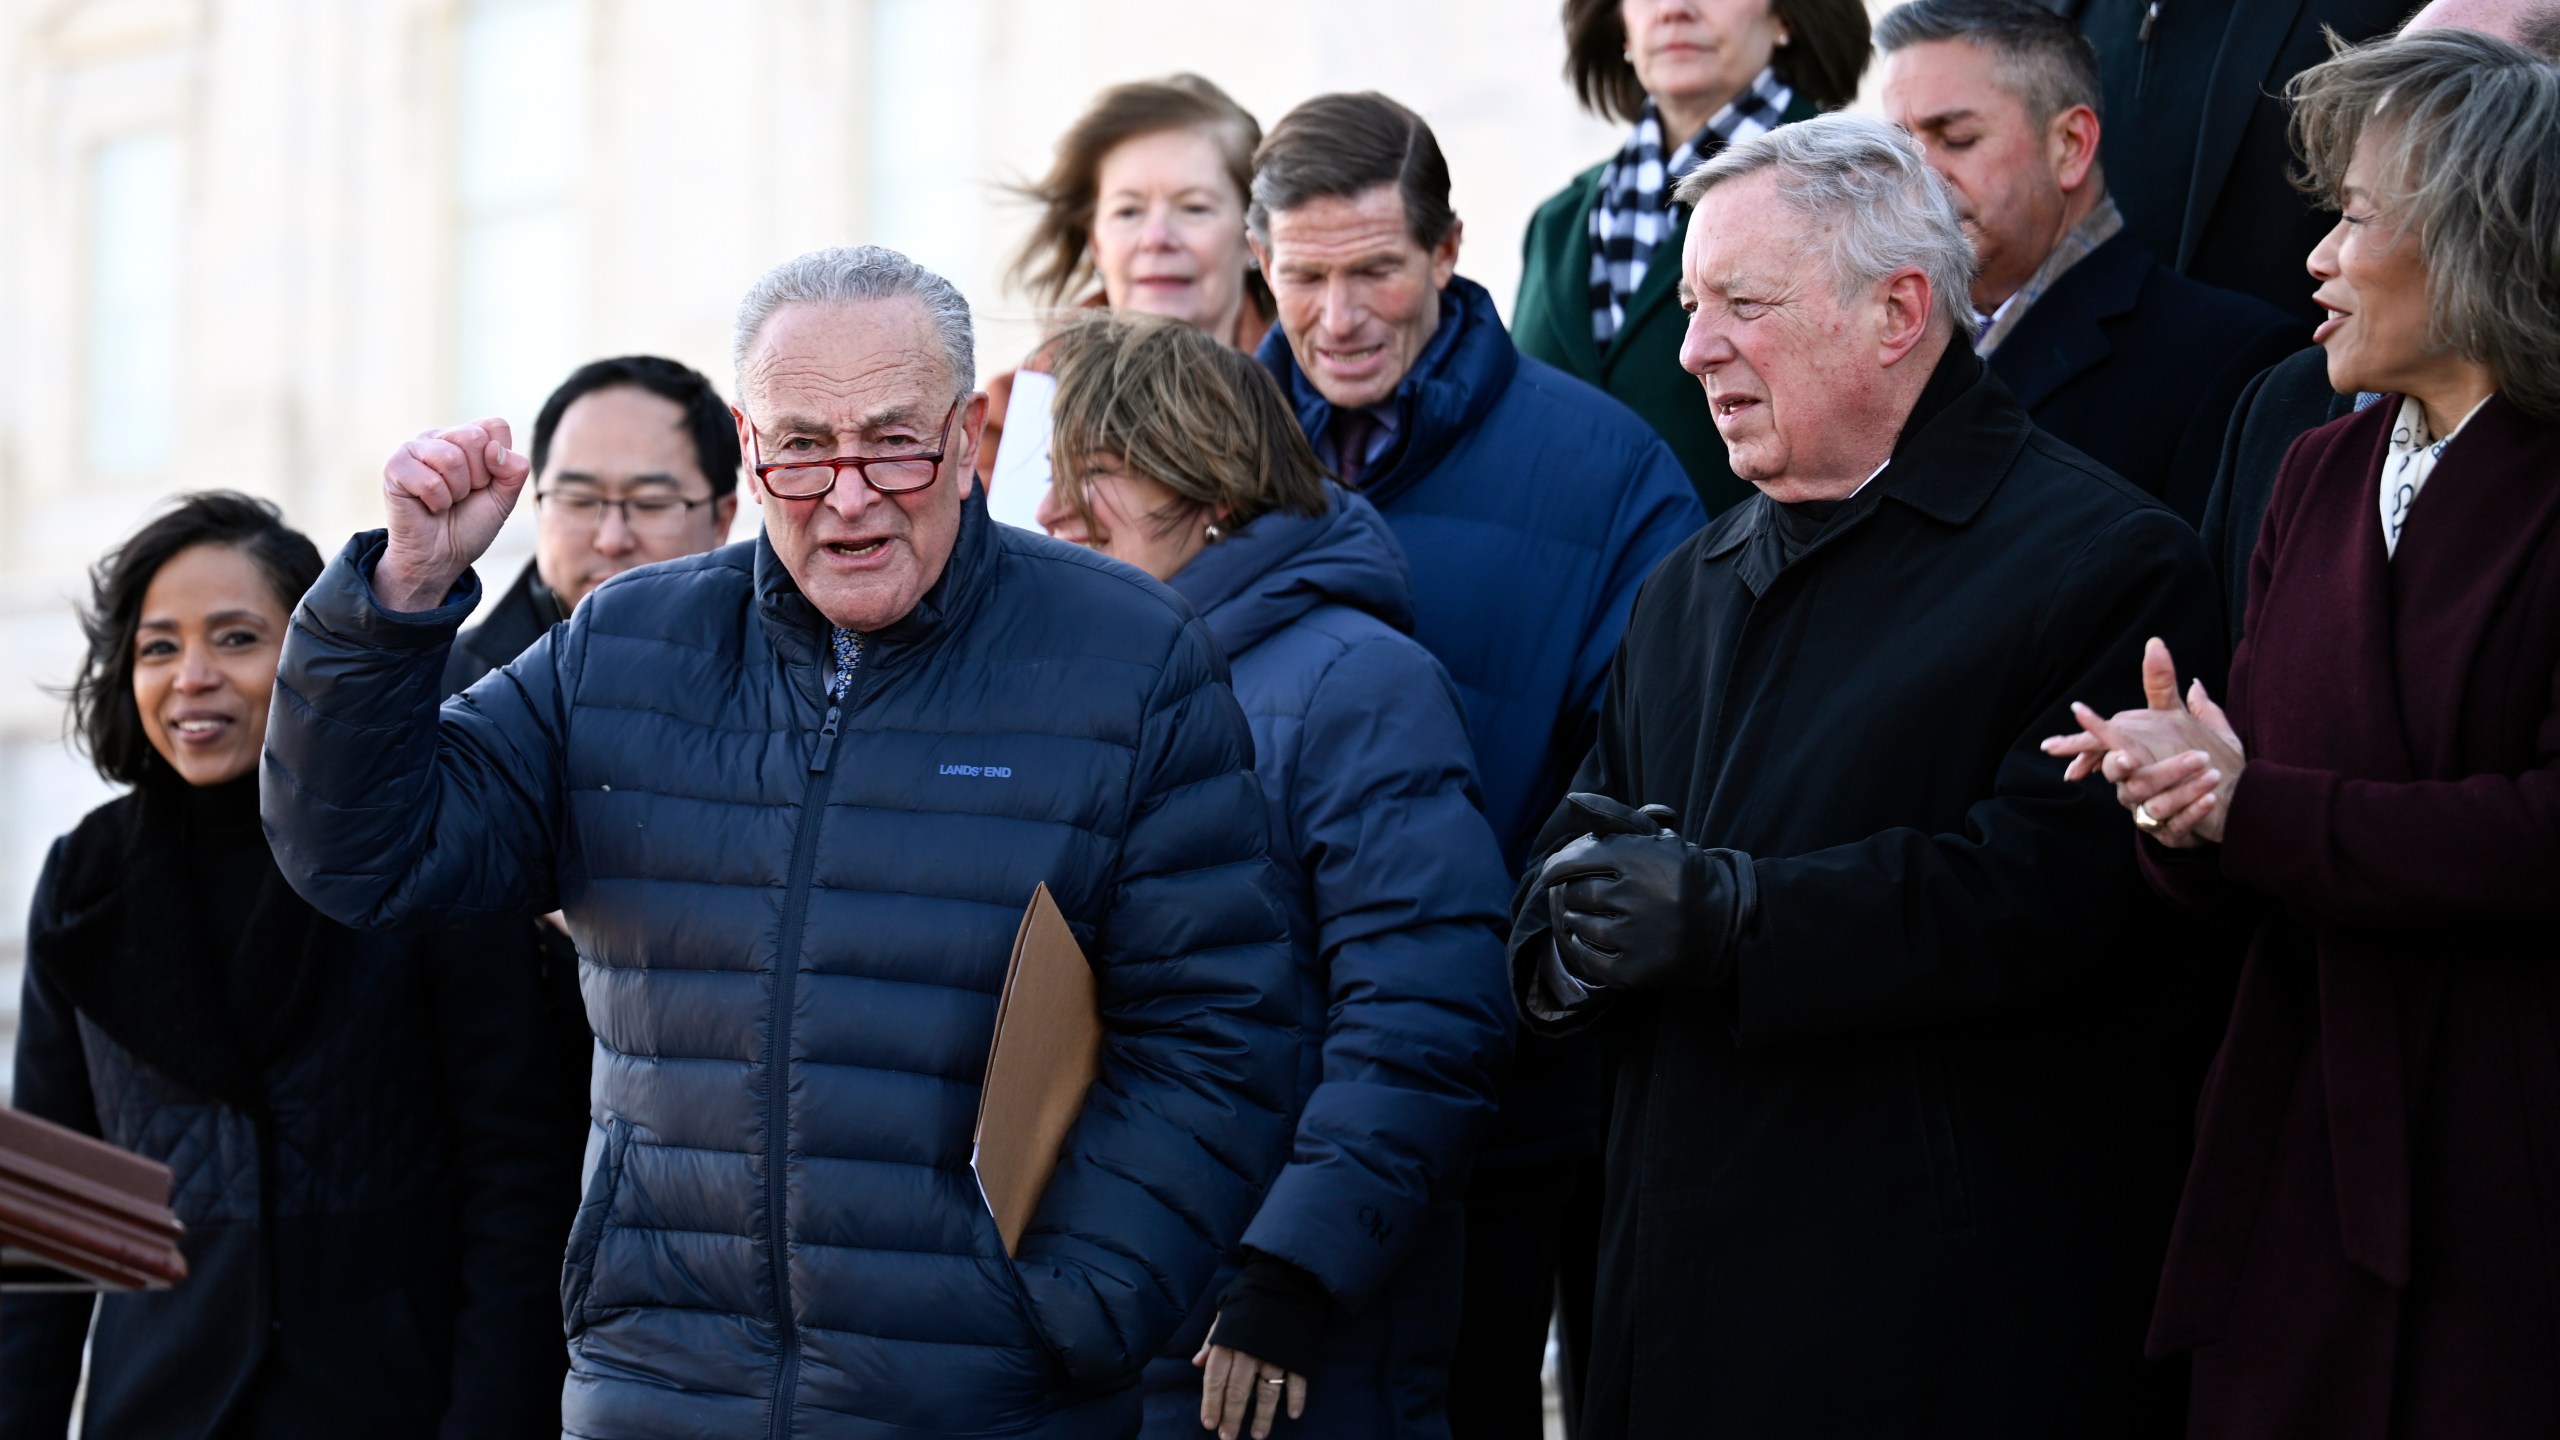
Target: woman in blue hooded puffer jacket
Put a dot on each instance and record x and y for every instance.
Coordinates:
(1181, 457)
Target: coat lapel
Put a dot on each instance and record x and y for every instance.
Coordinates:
(2325, 626)
(2249, 49)
(2063, 334)
(1568, 284)
(2483, 518)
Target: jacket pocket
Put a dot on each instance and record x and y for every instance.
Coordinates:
(1004, 1276)
(586, 1232)
(1941, 1148)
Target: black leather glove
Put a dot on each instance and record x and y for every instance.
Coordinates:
(1635, 907)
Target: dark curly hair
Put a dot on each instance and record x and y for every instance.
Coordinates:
(104, 721)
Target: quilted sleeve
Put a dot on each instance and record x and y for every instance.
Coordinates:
(1410, 902)
(1190, 1117)
(384, 812)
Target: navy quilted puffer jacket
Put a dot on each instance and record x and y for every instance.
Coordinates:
(1530, 507)
(794, 923)
(1400, 900)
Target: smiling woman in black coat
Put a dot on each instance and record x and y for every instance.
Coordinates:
(372, 1150)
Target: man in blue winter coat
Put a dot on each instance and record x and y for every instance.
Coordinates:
(1530, 506)
(792, 796)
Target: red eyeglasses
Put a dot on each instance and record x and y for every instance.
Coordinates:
(887, 474)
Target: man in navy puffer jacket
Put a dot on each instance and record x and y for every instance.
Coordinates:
(792, 796)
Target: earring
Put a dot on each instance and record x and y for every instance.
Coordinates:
(1214, 533)
(1783, 38)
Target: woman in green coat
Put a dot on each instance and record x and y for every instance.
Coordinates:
(1597, 291)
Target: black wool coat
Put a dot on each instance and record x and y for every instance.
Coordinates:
(2138, 367)
(376, 1160)
(1910, 1175)
(2286, 400)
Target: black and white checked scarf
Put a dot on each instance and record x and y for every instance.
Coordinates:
(1634, 213)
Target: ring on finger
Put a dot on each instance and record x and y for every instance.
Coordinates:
(2143, 818)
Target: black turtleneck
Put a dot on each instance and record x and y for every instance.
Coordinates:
(546, 601)
(223, 855)
(1794, 527)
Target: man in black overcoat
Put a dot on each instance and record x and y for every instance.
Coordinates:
(1892, 1151)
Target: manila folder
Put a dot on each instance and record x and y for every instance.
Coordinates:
(1047, 1049)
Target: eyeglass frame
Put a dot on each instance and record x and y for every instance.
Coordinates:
(621, 505)
(859, 464)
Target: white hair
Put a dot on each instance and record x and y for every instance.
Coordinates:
(1869, 201)
(851, 273)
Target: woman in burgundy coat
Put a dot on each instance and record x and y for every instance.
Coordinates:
(2369, 1243)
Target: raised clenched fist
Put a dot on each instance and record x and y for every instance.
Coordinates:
(446, 493)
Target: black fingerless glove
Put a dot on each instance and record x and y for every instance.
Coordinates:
(1276, 1313)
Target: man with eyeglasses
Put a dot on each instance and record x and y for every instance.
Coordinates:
(635, 460)
(792, 797)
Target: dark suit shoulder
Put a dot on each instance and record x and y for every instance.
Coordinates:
(507, 629)
(2294, 394)
(2208, 310)
(2124, 288)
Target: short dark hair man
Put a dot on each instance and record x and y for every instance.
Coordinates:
(1530, 506)
(1873, 1162)
(635, 460)
(2120, 357)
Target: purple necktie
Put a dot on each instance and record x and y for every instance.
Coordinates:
(1353, 430)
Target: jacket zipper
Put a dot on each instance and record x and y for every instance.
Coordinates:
(786, 976)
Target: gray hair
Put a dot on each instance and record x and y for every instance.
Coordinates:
(1867, 199)
(2040, 57)
(848, 274)
(2465, 133)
